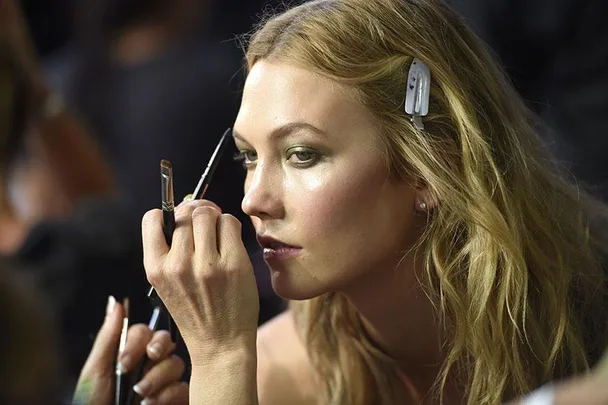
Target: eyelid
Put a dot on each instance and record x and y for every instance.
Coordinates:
(316, 155)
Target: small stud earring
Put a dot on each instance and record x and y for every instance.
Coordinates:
(422, 205)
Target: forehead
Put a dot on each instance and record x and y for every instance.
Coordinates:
(277, 93)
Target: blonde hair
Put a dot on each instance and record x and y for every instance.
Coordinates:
(512, 265)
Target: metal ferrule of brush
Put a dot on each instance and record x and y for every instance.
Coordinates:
(168, 201)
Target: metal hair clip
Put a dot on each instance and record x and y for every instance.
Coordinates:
(418, 92)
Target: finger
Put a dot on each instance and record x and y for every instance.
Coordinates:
(199, 202)
(174, 394)
(230, 243)
(204, 220)
(160, 346)
(153, 238)
(102, 355)
(138, 338)
(183, 242)
(161, 375)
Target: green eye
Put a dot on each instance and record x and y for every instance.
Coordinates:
(303, 157)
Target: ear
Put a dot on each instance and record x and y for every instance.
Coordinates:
(426, 199)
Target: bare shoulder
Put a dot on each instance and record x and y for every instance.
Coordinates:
(285, 374)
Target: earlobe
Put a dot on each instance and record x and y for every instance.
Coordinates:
(425, 200)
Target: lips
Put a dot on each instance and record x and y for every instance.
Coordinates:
(268, 242)
(275, 249)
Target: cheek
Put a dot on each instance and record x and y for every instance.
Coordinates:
(346, 204)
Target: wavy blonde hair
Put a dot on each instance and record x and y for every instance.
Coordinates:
(513, 267)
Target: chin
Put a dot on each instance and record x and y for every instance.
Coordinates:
(294, 288)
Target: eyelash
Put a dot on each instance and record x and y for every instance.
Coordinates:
(241, 156)
(248, 162)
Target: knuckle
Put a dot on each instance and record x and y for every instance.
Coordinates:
(153, 274)
(150, 217)
(161, 336)
(180, 265)
(205, 211)
(231, 220)
(208, 203)
(140, 330)
(183, 213)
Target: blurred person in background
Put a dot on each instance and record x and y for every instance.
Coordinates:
(159, 79)
(556, 53)
(74, 238)
(61, 218)
(153, 82)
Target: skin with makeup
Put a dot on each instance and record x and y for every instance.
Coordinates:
(400, 248)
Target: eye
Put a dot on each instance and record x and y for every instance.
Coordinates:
(246, 157)
(303, 157)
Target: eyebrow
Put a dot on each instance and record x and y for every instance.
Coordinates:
(286, 130)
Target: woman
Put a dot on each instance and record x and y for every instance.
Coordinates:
(430, 258)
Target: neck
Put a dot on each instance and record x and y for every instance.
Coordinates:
(401, 320)
(398, 314)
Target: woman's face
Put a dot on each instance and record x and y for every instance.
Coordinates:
(317, 184)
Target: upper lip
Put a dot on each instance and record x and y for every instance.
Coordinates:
(266, 241)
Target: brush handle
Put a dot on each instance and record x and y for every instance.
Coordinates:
(168, 225)
(168, 228)
(122, 389)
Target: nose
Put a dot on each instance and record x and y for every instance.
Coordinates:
(263, 191)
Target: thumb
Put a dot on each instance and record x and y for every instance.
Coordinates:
(103, 354)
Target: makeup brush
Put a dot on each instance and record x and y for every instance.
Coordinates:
(121, 387)
(214, 161)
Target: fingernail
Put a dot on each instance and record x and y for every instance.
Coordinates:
(111, 305)
(142, 388)
(124, 364)
(148, 401)
(188, 198)
(156, 350)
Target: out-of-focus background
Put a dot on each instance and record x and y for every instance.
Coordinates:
(156, 79)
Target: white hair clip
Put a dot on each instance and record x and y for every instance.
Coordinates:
(418, 92)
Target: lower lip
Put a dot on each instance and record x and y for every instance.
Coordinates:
(282, 253)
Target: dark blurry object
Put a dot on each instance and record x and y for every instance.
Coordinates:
(30, 368)
(556, 53)
(14, 107)
(155, 85)
(117, 14)
(74, 254)
(49, 23)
